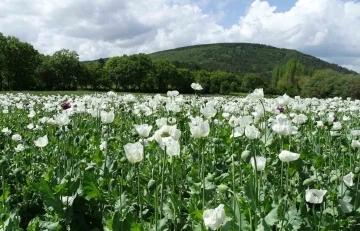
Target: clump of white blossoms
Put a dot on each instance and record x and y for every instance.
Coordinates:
(172, 93)
(283, 100)
(168, 139)
(256, 95)
(6, 131)
(282, 125)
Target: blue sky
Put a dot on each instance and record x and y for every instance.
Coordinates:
(233, 9)
(327, 29)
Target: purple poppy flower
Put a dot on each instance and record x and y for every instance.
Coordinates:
(65, 106)
(335, 118)
(281, 109)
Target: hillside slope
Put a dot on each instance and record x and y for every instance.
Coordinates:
(240, 57)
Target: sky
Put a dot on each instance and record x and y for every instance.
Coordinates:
(327, 29)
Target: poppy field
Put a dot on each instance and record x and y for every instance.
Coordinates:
(178, 162)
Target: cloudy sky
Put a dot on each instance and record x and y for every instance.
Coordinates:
(328, 29)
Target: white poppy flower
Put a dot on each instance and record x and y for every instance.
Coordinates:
(6, 131)
(61, 119)
(355, 144)
(260, 163)
(251, 132)
(214, 218)
(107, 117)
(19, 148)
(68, 200)
(16, 137)
(134, 152)
(172, 147)
(208, 111)
(237, 131)
(256, 95)
(199, 128)
(196, 86)
(287, 156)
(143, 129)
(41, 142)
(349, 179)
(315, 196)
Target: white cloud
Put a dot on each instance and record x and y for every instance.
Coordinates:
(103, 28)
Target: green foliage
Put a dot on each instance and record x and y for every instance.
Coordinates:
(329, 83)
(219, 68)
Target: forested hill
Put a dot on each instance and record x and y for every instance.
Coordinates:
(240, 58)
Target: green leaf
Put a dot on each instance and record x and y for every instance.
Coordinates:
(272, 217)
(9, 223)
(5, 194)
(33, 225)
(119, 224)
(49, 197)
(122, 202)
(136, 227)
(240, 219)
(168, 212)
(49, 226)
(250, 192)
(346, 207)
(209, 185)
(90, 188)
(293, 218)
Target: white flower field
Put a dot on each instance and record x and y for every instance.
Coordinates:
(178, 162)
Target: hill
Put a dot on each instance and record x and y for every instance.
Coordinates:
(240, 58)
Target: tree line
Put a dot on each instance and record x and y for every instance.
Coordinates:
(23, 68)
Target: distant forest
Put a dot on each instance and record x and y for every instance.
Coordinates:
(220, 68)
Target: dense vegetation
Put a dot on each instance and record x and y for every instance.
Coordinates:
(116, 162)
(240, 58)
(220, 68)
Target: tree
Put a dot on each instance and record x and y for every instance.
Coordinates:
(163, 71)
(2, 59)
(96, 76)
(139, 68)
(20, 63)
(203, 78)
(45, 74)
(183, 81)
(116, 69)
(67, 69)
(251, 82)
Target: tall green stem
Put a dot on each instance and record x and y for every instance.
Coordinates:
(139, 191)
(162, 182)
(203, 177)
